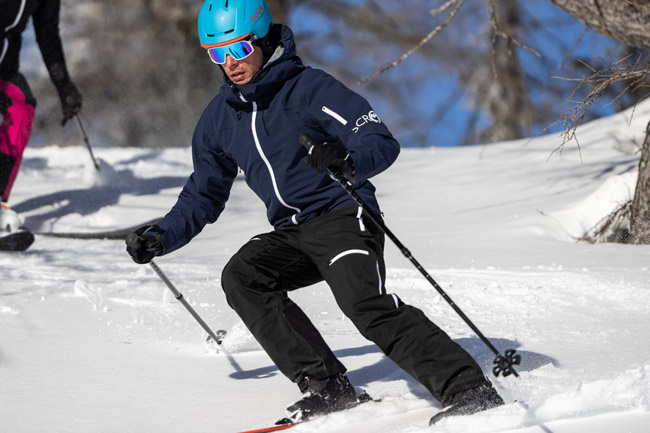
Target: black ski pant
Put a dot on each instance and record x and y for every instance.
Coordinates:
(345, 249)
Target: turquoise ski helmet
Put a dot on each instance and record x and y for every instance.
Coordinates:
(222, 21)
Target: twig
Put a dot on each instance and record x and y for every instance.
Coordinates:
(613, 220)
(498, 32)
(636, 73)
(406, 55)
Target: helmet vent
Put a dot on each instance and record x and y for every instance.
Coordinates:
(228, 31)
(210, 8)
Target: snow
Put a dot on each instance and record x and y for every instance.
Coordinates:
(92, 342)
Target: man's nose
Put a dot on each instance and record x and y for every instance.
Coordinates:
(230, 61)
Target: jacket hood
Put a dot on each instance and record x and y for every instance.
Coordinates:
(283, 65)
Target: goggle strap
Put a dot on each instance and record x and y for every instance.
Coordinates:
(232, 41)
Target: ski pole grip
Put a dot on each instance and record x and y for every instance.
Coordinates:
(306, 140)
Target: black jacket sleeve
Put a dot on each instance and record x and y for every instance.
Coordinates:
(46, 28)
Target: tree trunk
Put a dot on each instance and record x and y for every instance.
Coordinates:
(627, 21)
(504, 95)
(640, 214)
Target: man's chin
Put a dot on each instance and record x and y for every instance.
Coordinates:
(240, 80)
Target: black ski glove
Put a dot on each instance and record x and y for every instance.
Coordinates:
(330, 155)
(144, 243)
(5, 103)
(70, 100)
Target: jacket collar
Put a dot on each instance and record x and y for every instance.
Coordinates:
(283, 65)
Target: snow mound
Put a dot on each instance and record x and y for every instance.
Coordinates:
(592, 211)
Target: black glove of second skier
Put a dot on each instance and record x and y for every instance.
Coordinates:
(329, 155)
(70, 100)
(144, 243)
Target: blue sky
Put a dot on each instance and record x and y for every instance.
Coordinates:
(442, 86)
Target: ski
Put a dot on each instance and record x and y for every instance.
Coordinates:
(118, 234)
(268, 429)
(17, 241)
(286, 423)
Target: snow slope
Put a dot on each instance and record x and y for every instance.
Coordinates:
(91, 342)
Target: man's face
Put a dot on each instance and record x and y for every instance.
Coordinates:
(242, 71)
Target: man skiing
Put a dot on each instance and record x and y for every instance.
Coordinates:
(17, 103)
(269, 98)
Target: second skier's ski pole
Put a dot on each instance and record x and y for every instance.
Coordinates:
(219, 336)
(502, 363)
(85, 137)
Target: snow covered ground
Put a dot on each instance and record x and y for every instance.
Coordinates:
(91, 342)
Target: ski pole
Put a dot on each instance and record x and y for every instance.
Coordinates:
(219, 336)
(502, 363)
(85, 137)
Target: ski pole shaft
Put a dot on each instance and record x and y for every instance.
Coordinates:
(85, 137)
(178, 295)
(504, 363)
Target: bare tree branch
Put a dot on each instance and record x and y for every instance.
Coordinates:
(633, 72)
(459, 4)
(610, 225)
(497, 31)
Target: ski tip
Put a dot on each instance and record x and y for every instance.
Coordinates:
(286, 422)
(17, 241)
(270, 429)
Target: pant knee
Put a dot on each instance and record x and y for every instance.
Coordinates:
(231, 276)
(243, 281)
(370, 315)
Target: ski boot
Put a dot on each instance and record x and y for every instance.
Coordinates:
(13, 236)
(470, 401)
(321, 397)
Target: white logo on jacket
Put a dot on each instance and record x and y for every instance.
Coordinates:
(363, 120)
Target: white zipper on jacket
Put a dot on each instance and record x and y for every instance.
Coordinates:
(268, 164)
(362, 226)
(334, 114)
(5, 44)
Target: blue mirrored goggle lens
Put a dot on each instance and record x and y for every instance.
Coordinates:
(237, 51)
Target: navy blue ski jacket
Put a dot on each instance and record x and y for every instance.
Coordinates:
(255, 128)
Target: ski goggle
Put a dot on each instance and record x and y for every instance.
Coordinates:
(238, 49)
